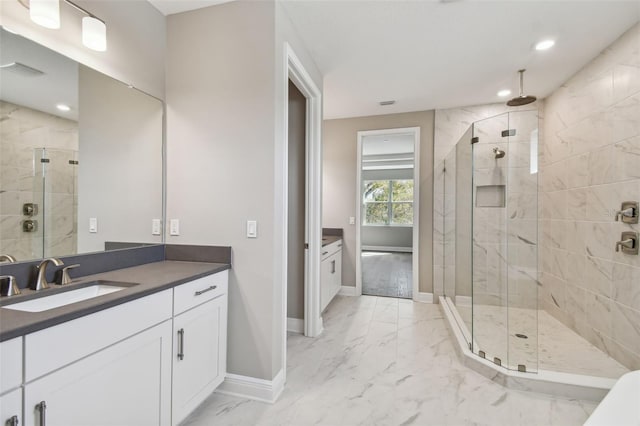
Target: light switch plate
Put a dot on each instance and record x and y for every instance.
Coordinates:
(156, 228)
(174, 227)
(352, 220)
(252, 229)
(93, 225)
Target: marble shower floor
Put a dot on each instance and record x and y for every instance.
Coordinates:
(387, 274)
(386, 361)
(558, 347)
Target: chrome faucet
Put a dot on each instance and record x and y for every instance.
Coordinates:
(41, 279)
(7, 258)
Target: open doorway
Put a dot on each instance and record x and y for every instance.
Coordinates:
(387, 234)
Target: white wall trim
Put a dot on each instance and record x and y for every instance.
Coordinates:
(416, 204)
(346, 290)
(253, 388)
(388, 248)
(423, 297)
(463, 300)
(295, 325)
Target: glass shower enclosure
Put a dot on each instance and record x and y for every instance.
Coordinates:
(490, 238)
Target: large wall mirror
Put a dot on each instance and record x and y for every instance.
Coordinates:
(81, 156)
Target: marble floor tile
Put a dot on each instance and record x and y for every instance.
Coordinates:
(363, 371)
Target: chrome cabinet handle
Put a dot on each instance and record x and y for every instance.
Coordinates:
(42, 407)
(213, 287)
(13, 421)
(324, 252)
(181, 344)
(333, 266)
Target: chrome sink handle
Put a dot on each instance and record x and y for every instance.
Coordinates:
(41, 279)
(12, 288)
(65, 278)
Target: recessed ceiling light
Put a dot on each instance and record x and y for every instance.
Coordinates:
(503, 93)
(63, 107)
(545, 44)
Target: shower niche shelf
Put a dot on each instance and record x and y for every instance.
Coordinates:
(490, 195)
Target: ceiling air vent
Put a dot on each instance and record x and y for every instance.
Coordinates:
(385, 103)
(21, 69)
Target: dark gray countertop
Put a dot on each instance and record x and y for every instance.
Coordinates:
(329, 239)
(150, 278)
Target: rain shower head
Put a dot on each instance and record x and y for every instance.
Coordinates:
(522, 99)
(498, 152)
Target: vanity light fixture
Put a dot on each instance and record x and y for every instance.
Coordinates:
(47, 14)
(545, 44)
(504, 93)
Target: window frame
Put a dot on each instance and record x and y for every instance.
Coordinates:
(390, 203)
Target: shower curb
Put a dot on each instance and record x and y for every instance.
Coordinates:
(573, 386)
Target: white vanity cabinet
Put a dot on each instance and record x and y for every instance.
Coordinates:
(330, 273)
(149, 361)
(124, 384)
(200, 335)
(112, 367)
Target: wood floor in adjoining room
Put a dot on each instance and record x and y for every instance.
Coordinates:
(386, 361)
(387, 274)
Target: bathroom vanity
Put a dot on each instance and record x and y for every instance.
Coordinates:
(148, 353)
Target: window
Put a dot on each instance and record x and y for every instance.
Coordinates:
(388, 202)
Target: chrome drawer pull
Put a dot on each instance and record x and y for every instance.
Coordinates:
(42, 407)
(181, 344)
(213, 287)
(13, 421)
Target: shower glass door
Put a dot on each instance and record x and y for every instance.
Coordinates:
(505, 235)
(489, 242)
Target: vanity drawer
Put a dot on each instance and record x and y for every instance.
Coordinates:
(330, 249)
(193, 293)
(10, 364)
(63, 344)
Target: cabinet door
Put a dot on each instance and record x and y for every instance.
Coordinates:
(199, 355)
(330, 278)
(125, 384)
(11, 408)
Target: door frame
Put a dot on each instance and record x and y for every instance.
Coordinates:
(415, 258)
(296, 72)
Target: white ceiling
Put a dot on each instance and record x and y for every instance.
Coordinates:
(399, 143)
(431, 54)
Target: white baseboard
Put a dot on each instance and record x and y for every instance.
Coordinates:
(423, 297)
(295, 325)
(252, 388)
(347, 291)
(388, 248)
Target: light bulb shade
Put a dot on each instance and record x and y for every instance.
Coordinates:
(94, 34)
(45, 13)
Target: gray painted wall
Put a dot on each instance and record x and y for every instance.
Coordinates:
(340, 194)
(296, 200)
(225, 155)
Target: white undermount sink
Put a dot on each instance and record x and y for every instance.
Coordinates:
(44, 303)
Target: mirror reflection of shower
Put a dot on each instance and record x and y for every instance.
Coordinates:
(498, 152)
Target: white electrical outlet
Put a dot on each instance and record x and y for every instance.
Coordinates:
(252, 229)
(93, 225)
(156, 227)
(174, 227)
(352, 220)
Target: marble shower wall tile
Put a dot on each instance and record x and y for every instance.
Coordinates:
(22, 132)
(591, 165)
